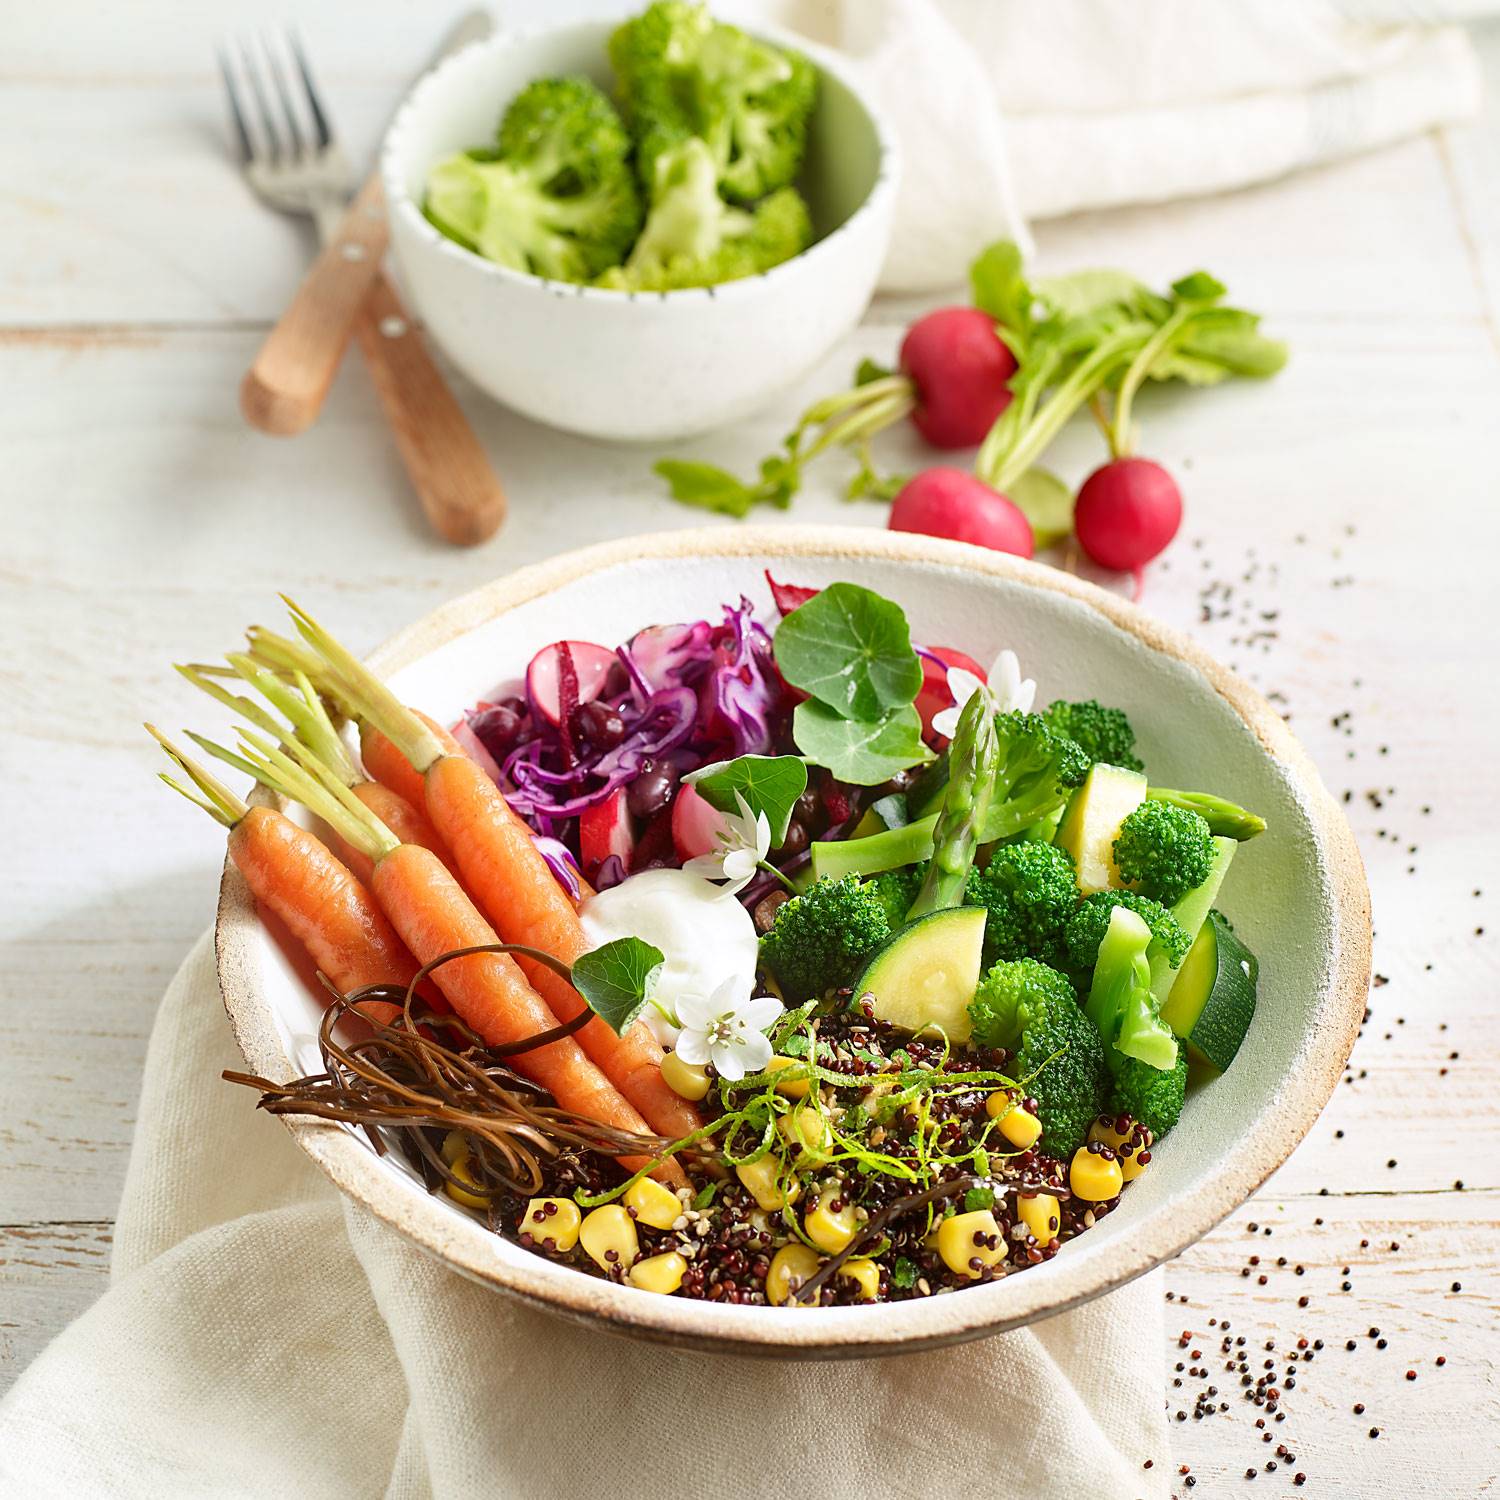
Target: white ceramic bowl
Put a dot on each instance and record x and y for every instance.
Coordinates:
(619, 365)
(1297, 894)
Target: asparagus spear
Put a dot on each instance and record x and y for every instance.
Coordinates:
(1225, 819)
(973, 760)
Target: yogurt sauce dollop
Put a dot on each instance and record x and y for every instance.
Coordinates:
(706, 935)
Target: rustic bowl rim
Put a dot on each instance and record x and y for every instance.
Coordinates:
(839, 1332)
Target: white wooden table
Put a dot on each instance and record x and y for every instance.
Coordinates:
(1350, 505)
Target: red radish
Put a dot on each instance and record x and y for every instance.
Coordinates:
(1127, 512)
(961, 371)
(543, 686)
(935, 694)
(473, 746)
(788, 596)
(604, 829)
(696, 822)
(954, 503)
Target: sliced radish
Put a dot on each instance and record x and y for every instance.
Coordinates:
(661, 651)
(935, 694)
(475, 748)
(605, 829)
(696, 824)
(591, 663)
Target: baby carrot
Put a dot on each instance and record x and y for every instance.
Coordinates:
(309, 722)
(291, 873)
(508, 878)
(387, 765)
(434, 915)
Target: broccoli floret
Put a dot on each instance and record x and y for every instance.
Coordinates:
(820, 937)
(1153, 1096)
(1087, 926)
(693, 238)
(1030, 892)
(1120, 1002)
(1030, 1008)
(895, 890)
(1038, 768)
(1164, 851)
(682, 74)
(557, 197)
(1101, 733)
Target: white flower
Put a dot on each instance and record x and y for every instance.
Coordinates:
(744, 841)
(1009, 692)
(727, 1028)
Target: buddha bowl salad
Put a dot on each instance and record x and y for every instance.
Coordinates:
(792, 964)
(689, 183)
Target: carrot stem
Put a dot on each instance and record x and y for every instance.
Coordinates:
(371, 700)
(217, 800)
(298, 701)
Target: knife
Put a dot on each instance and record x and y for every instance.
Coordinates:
(345, 293)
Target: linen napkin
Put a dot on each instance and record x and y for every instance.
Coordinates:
(1010, 111)
(263, 1337)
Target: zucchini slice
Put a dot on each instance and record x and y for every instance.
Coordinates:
(925, 976)
(1213, 999)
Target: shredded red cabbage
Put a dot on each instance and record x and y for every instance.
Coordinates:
(693, 693)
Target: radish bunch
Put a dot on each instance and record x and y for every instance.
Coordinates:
(1007, 375)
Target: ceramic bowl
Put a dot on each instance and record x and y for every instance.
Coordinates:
(1297, 895)
(634, 366)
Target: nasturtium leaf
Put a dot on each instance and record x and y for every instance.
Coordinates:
(862, 752)
(616, 980)
(770, 784)
(1046, 502)
(850, 649)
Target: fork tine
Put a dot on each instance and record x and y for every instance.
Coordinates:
(319, 118)
(241, 130)
(267, 120)
(277, 70)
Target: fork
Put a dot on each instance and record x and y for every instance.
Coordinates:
(294, 163)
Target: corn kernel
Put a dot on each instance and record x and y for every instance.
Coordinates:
(1127, 1147)
(655, 1206)
(608, 1235)
(468, 1194)
(658, 1273)
(999, 1104)
(806, 1131)
(828, 1228)
(1094, 1178)
(790, 1267)
(770, 1184)
(555, 1219)
(865, 1274)
(689, 1080)
(969, 1242)
(1021, 1128)
(791, 1088)
(1042, 1215)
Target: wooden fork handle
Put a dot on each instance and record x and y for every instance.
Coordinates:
(447, 464)
(284, 389)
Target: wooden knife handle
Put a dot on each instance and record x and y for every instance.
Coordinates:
(447, 464)
(284, 389)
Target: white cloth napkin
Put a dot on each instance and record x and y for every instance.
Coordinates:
(1008, 111)
(262, 1337)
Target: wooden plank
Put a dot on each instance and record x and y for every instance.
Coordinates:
(1435, 1432)
(49, 1273)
